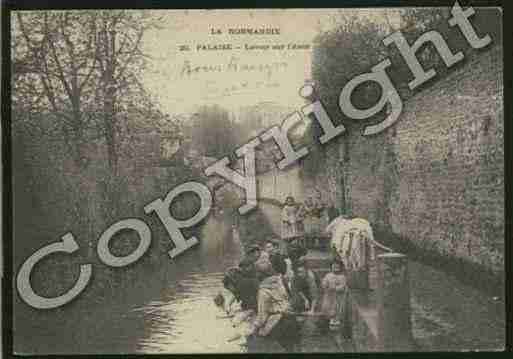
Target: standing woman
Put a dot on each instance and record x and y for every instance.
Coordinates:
(311, 222)
(289, 230)
(333, 305)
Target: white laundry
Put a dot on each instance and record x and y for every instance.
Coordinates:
(337, 228)
(351, 239)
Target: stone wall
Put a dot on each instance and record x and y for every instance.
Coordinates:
(436, 178)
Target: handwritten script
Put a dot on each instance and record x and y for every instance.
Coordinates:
(233, 65)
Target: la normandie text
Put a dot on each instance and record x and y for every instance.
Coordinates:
(247, 31)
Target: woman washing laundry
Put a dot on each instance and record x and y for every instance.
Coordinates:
(304, 288)
(274, 321)
(243, 291)
(240, 320)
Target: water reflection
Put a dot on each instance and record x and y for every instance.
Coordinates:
(185, 319)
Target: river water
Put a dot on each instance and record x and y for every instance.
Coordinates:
(184, 319)
(173, 311)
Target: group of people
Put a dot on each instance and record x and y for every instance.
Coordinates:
(302, 221)
(275, 290)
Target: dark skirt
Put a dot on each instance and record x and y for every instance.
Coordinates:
(287, 332)
(284, 337)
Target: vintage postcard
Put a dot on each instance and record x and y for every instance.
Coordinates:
(257, 180)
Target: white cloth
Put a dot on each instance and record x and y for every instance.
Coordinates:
(289, 274)
(242, 324)
(352, 239)
(337, 228)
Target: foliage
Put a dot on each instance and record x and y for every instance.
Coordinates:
(213, 133)
(354, 45)
(82, 69)
(342, 53)
(417, 21)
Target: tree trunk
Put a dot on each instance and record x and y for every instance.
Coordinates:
(110, 133)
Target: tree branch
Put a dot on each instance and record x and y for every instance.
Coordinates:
(48, 90)
(129, 60)
(95, 57)
(61, 76)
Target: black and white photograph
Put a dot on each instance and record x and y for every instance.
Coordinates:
(299, 180)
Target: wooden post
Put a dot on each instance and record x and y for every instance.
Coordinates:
(393, 303)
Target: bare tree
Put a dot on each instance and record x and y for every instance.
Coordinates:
(120, 61)
(82, 68)
(55, 68)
